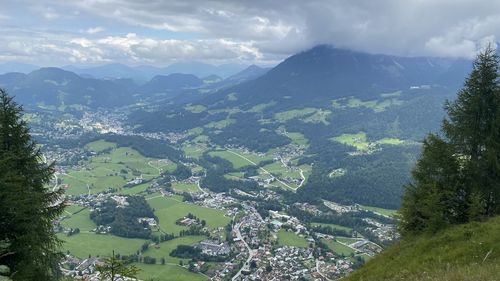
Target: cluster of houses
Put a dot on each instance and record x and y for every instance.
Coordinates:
(213, 248)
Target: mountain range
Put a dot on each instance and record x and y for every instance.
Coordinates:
(327, 72)
(56, 86)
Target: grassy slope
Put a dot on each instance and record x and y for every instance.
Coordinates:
(458, 253)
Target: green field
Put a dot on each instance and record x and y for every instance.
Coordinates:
(169, 209)
(361, 143)
(83, 244)
(359, 140)
(286, 238)
(279, 171)
(261, 106)
(164, 248)
(308, 115)
(184, 187)
(220, 124)
(320, 116)
(294, 113)
(79, 220)
(298, 138)
(335, 226)
(338, 248)
(391, 94)
(193, 151)
(346, 240)
(239, 161)
(234, 175)
(195, 108)
(382, 211)
(167, 272)
(390, 141)
(112, 170)
(375, 105)
(100, 145)
(134, 189)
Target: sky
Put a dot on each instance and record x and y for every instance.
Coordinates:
(154, 32)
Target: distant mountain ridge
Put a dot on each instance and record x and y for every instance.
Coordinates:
(56, 86)
(328, 72)
(145, 73)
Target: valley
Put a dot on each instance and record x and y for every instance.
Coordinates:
(199, 182)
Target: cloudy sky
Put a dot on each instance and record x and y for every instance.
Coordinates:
(135, 32)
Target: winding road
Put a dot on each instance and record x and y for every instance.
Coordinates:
(264, 170)
(251, 253)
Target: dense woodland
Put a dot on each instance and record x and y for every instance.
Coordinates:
(123, 219)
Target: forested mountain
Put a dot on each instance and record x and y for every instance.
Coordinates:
(327, 72)
(326, 93)
(54, 86)
(170, 83)
(142, 73)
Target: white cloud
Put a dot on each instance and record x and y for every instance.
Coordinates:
(94, 30)
(256, 31)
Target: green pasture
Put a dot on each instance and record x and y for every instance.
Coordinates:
(167, 272)
(163, 249)
(84, 244)
(169, 209)
(286, 238)
(338, 248)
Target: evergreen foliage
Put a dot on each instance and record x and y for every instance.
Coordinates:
(114, 268)
(457, 178)
(27, 206)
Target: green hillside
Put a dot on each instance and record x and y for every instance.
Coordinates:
(464, 252)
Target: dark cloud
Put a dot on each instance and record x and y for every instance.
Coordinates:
(140, 31)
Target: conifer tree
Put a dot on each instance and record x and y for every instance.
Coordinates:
(457, 178)
(115, 269)
(470, 128)
(27, 206)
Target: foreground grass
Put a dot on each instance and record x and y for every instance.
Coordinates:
(464, 252)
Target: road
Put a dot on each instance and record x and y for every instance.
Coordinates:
(303, 178)
(251, 253)
(264, 170)
(199, 187)
(152, 166)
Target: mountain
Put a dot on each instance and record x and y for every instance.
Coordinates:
(143, 73)
(115, 71)
(464, 252)
(55, 86)
(325, 72)
(339, 101)
(248, 73)
(203, 69)
(172, 83)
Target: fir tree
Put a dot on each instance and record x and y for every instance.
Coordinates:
(114, 269)
(457, 178)
(27, 206)
(471, 125)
